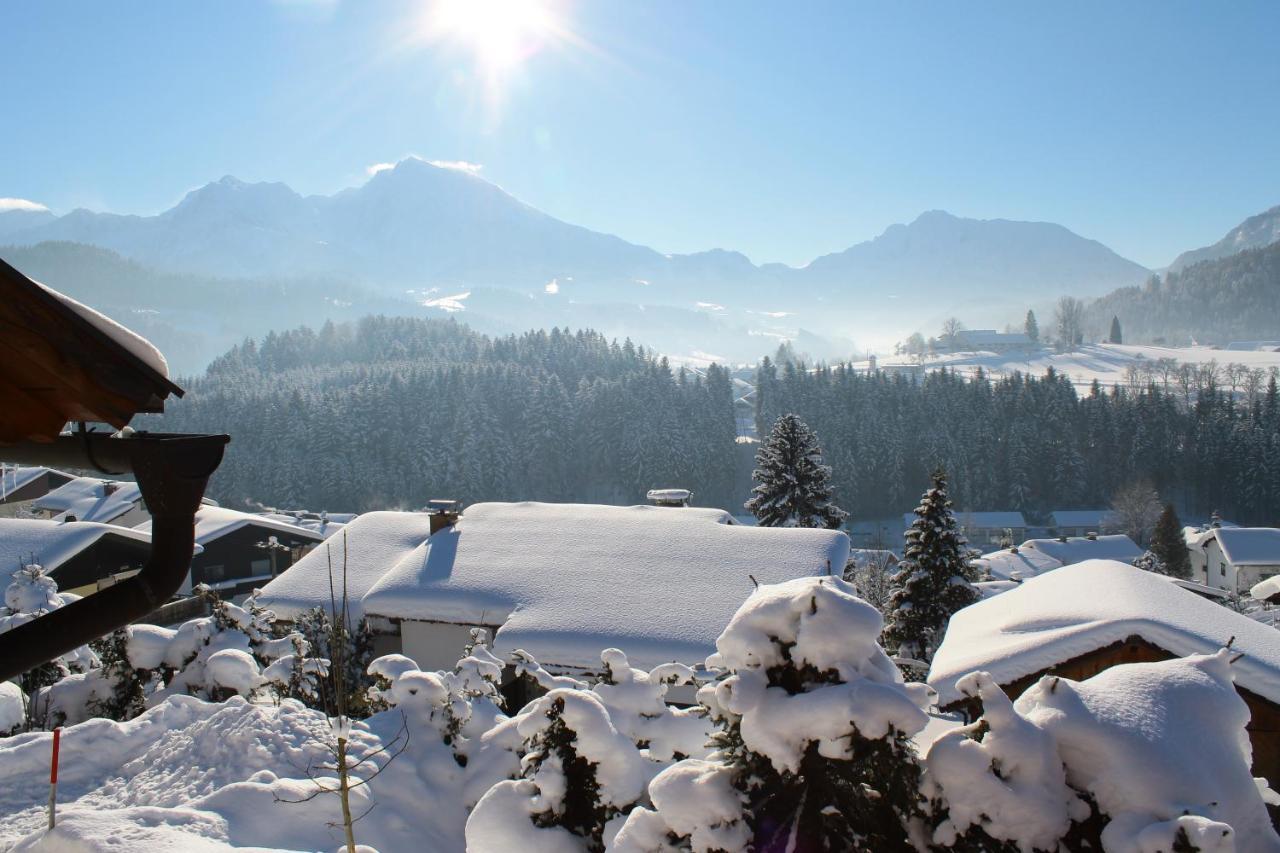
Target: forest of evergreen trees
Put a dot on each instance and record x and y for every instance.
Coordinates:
(1228, 299)
(1032, 443)
(390, 412)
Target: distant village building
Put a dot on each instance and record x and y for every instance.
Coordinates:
(240, 549)
(1082, 522)
(1234, 559)
(1080, 620)
(80, 555)
(989, 340)
(561, 581)
(1037, 556)
(19, 486)
(92, 499)
(984, 530)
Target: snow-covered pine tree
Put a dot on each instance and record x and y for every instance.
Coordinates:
(1169, 546)
(933, 579)
(1116, 336)
(129, 684)
(793, 486)
(815, 748)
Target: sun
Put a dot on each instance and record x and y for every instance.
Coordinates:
(502, 34)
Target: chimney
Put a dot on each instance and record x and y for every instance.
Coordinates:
(110, 487)
(444, 513)
(1092, 535)
(1215, 520)
(669, 497)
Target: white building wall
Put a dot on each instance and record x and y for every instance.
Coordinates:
(435, 645)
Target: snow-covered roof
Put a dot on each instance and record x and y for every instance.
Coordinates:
(87, 499)
(983, 337)
(139, 346)
(1095, 518)
(1249, 546)
(324, 527)
(1077, 549)
(52, 543)
(1264, 590)
(14, 478)
(214, 522)
(979, 519)
(1023, 563)
(564, 581)
(375, 542)
(1078, 609)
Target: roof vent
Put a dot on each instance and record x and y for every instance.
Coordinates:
(669, 497)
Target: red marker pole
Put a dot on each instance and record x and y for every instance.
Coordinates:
(53, 777)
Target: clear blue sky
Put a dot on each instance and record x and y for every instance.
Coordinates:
(782, 130)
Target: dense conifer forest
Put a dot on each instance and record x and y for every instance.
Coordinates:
(1218, 301)
(390, 412)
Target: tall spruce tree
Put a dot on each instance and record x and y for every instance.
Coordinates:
(1031, 327)
(793, 486)
(1115, 337)
(1168, 545)
(933, 579)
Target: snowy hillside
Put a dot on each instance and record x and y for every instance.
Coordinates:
(1254, 233)
(1109, 364)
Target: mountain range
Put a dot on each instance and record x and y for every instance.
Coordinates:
(452, 242)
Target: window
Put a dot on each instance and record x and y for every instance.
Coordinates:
(213, 574)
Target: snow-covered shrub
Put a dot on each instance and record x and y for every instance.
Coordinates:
(29, 595)
(1142, 757)
(933, 579)
(130, 685)
(578, 774)
(13, 708)
(814, 744)
(637, 704)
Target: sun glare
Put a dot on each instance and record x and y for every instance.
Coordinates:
(501, 33)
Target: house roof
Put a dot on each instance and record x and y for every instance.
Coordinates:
(979, 519)
(62, 361)
(1023, 562)
(371, 545)
(565, 581)
(214, 522)
(16, 478)
(86, 498)
(1078, 609)
(52, 543)
(1096, 518)
(1249, 546)
(990, 336)
(1077, 549)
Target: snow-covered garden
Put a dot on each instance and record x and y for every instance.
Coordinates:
(804, 736)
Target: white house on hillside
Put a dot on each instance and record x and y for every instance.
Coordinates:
(561, 581)
(1235, 559)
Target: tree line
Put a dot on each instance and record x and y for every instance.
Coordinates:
(1033, 444)
(391, 412)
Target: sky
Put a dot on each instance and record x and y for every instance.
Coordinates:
(784, 131)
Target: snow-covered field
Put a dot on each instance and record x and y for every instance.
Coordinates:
(1108, 363)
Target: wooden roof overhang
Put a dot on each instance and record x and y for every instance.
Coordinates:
(56, 366)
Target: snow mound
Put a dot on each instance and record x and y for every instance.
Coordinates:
(195, 775)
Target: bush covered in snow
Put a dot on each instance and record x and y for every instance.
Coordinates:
(1140, 758)
(814, 750)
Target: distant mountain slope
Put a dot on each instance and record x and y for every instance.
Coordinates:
(1236, 297)
(1254, 233)
(986, 258)
(421, 226)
